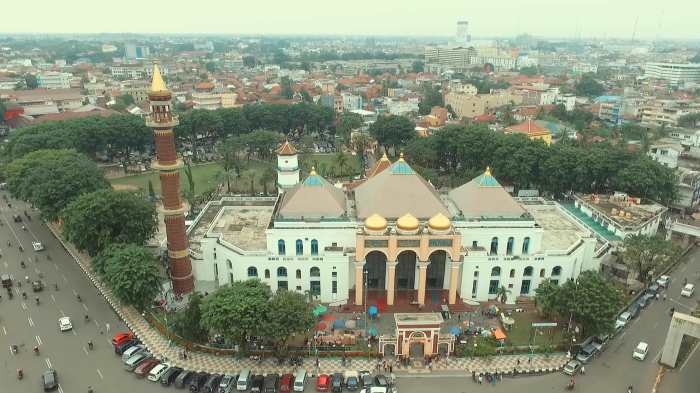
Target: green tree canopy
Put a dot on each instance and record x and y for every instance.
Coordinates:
(644, 254)
(432, 96)
(94, 220)
(417, 66)
(588, 86)
(347, 121)
(529, 71)
(549, 299)
(51, 179)
(287, 314)
(188, 324)
(393, 131)
(593, 301)
(131, 272)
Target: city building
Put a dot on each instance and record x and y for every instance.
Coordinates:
(402, 107)
(688, 191)
(39, 102)
(658, 113)
(138, 89)
(568, 100)
(462, 38)
(54, 80)
(136, 52)
(351, 102)
(134, 71)
(673, 73)
(207, 97)
(393, 234)
(666, 152)
(168, 164)
(532, 129)
(467, 105)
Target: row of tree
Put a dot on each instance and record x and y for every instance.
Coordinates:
(455, 154)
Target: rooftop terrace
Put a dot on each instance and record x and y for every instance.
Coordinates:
(560, 232)
(623, 211)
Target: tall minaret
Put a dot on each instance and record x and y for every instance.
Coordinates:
(168, 164)
(287, 167)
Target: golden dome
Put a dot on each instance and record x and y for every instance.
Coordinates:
(407, 222)
(375, 222)
(439, 222)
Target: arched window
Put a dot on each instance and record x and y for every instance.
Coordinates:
(298, 273)
(526, 245)
(541, 272)
(494, 246)
(300, 247)
(315, 272)
(496, 271)
(528, 271)
(281, 272)
(314, 247)
(556, 271)
(267, 273)
(281, 249)
(228, 263)
(512, 273)
(509, 246)
(252, 271)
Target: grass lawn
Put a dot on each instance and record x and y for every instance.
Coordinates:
(325, 164)
(206, 177)
(520, 334)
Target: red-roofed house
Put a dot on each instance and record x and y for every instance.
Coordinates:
(532, 130)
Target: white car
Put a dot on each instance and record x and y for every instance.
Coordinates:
(374, 389)
(37, 246)
(688, 290)
(640, 352)
(663, 281)
(157, 372)
(622, 320)
(64, 324)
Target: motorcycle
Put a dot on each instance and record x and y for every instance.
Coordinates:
(20, 373)
(37, 301)
(36, 350)
(14, 349)
(24, 295)
(23, 265)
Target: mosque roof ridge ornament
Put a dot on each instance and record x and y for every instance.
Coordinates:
(487, 180)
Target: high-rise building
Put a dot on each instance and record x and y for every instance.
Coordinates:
(168, 164)
(133, 51)
(674, 73)
(462, 37)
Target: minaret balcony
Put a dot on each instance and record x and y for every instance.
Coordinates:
(165, 122)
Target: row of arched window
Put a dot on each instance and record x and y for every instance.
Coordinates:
(282, 248)
(282, 272)
(496, 272)
(509, 246)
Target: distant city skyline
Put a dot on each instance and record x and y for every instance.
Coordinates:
(546, 18)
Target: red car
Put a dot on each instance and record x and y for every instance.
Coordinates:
(144, 368)
(122, 337)
(286, 383)
(323, 383)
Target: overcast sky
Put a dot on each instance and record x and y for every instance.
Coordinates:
(554, 18)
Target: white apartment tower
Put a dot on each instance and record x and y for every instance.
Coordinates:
(287, 167)
(462, 37)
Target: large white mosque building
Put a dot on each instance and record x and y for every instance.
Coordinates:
(392, 239)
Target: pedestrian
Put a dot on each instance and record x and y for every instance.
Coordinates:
(657, 296)
(481, 379)
(493, 379)
(583, 370)
(184, 355)
(107, 326)
(518, 361)
(664, 296)
(391, 368)
(473, 375)
(568, 354)
(529, 359)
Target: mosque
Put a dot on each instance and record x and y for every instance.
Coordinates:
(392, 239)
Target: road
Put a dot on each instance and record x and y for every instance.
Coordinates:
(26, 324)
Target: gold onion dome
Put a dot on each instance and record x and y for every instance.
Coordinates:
(407, 222)
(375, 222)
(439, 222)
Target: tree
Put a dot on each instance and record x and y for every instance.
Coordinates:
(341, 163)
(417, 66)
(286, 88)
(690, 120)
(151, 191)
(249, 61)
(589, 87)
(432, 96)
(646, 178)
(51, 179)
(548, 298)
(267, 177)
(189, 323)
(131, 272)
(645, 254)
(394, 131)
(236, 311)
(231, 163)
(592, 301)
(288, 314)
(210, 66)
(197, 124)
(30, 81)
(529, 71)
(190, 193)
(125, 100)
(502, 294)
(347, 121)
(360, 143)
(94, 220)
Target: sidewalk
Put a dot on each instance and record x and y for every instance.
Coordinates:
(162, 349)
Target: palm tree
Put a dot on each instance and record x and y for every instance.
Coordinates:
(502, 294)
(341, 162)
(266, 177)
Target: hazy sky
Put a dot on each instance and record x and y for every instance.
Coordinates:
(562, 18)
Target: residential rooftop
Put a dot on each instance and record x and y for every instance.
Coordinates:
(560, 232)
(623, 210)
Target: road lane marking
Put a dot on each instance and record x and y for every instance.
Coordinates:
(96, 323)
(85, 350)
(100, 374)
(4, 330)
(24, 306)
(11, 351)
(60, 389)
(689, 356)
(48, 363)
(38, 340)
(85, 307)
(74, 292)
(31, 323)
(53, 298)
(74, 333)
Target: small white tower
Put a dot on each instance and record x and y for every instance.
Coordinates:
(287, 167)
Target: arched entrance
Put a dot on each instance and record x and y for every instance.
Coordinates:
(416, 348)
(436, 270)
(389, 349)
(375, 265)
(406, 270)
(443, 348)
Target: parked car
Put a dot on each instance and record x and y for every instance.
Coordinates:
(49, 379)
(653, 289)
(585, 354)
(136, 360)
(352, 380)
(270, 383)
(572, 367)
(145, 367)
(37, 246)
(640, 352)
(634, 310)
(337, 383)
(688, 290)
(600, 342)
(663, 281)
(170, 375)
(122, 337)
(622, 320)
(212, 383)
(132, 351)
(37, 286)
(256, 383)
(323, 383)
(375, 389)
(184, 379)
(380, 380)
(645, 299)
(198, 381)
(366, 379)
(121, 348)
(286, 383)
(6, 280)
(157, 372)
(226, 381)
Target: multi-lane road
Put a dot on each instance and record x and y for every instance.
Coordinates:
(26, 324)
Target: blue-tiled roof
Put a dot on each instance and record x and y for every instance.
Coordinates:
(486, 180)
(313, 180)
(400, 167)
